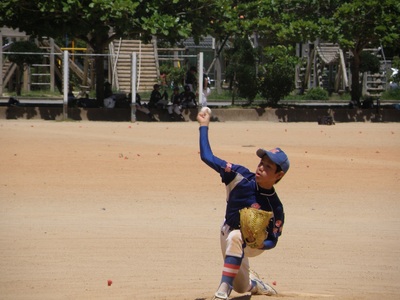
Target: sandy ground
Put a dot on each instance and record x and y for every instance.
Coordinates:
(84, 202)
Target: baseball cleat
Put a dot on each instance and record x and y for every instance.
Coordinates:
(223, 292)
(220, 296)
(262, 288)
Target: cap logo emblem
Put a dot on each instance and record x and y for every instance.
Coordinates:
(276, 150)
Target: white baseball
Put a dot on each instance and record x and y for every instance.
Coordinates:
(206, 109)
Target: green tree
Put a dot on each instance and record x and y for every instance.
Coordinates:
(277, 75)
(355, 25)
(360, 24)
(98, 22)
(241, 70)
(23, 55)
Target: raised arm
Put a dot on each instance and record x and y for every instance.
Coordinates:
(206, 153)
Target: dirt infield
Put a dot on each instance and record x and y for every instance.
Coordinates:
(85, 202)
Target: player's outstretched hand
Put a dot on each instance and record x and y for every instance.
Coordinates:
(203, 117)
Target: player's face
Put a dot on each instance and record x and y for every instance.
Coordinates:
(266, 175)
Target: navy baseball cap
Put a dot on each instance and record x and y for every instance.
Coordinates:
(277, 156)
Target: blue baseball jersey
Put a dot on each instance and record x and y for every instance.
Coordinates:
(243, 191)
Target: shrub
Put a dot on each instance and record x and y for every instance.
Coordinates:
(391, 94)
(174, 76)
(317, 93)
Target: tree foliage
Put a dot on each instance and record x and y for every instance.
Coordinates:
(23, 54)
(29, 53)
(277, 75)
(241, 70)
(360, 24)
(174, 76)
(354, 25)
(100, 21)
(369, 62)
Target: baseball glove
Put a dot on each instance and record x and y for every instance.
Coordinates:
(253, 225)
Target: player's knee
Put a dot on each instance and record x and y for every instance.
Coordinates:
(235, 244)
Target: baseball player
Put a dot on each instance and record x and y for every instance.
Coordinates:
(245, 189)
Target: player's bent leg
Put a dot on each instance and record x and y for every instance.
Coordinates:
(234, 243)
(242, 283)
(232, 251)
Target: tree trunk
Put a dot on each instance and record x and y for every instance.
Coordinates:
(99, 66)
(233, 88)
(18, 84)
(98, 45)
(355, 79)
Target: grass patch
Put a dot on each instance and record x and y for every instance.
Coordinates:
(35, 94)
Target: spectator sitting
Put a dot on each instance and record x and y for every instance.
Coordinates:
(206, 89)
(190, 79)
(109, 99)
(72, 101)
(163, 78)
(156, 99)
(188, 98)
(13, 102)
(142, 107)
(107, 90)
(176, 105)
(109, 102)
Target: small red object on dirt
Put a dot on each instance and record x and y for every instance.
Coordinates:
(109, 282)
(274, 282)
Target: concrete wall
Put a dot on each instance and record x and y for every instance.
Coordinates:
(297, 114)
